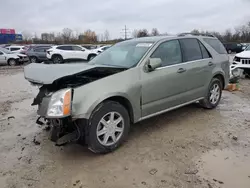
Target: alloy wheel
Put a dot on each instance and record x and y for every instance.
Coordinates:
(110, 128)
(214, 93)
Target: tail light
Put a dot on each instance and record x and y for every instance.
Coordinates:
(48, 51)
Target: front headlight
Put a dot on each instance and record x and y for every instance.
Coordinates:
(60, 103)
(237, 59)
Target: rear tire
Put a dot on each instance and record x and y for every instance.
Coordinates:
(57, 59)
(12, 62)
(107, 127)
(213, 95)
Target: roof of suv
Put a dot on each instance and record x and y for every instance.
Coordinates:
(159, 38)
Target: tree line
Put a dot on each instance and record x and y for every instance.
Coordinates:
(67, 35)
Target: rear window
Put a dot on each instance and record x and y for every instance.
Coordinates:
(216, 45)
(191, 49)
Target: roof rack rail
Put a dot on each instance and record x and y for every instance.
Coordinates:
(194, 34)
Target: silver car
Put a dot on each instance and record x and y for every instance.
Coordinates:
(96, 103)
(10, 58)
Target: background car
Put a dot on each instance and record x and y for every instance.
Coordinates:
(233, 47)
(9, 58)
(37, 54)
(101, 49)
(17, 49)
(62, 53)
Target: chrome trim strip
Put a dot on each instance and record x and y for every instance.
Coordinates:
(169, 109)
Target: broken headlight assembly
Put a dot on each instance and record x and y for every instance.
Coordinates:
(60, 104)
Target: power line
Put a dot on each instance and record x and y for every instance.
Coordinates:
(125, 32)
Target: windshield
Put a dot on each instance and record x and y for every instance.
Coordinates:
(5, 51)
(248, 48)
(125, 54)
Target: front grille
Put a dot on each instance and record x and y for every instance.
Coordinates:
(245, 61)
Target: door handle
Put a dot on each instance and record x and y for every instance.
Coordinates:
(210, 63)
(181, 70)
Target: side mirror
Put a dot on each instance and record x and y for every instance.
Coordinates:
(82, 50)
(152, 64)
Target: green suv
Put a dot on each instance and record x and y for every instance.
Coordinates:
(96, 103)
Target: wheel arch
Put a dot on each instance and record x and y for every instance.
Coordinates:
(221, 77)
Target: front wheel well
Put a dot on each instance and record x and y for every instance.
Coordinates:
(221, 78)
(124, 102)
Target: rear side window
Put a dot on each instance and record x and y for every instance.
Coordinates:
(14, 49)
(64, 48)
(204, 51)
(191, 49)
(76, 48)
(41, 49)
(216, 45)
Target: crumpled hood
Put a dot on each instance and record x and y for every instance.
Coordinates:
(48, 73)
(244, 54)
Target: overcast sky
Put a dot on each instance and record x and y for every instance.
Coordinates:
(170, 16)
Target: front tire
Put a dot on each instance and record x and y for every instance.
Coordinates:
(107, 128)
(213, 96)
(12, 62)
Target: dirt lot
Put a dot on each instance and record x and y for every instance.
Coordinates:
(190, 147)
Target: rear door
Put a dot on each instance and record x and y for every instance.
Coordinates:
(41, 52)
(66, 51)
(199, 65)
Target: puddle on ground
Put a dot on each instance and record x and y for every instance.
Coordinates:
(226, 168)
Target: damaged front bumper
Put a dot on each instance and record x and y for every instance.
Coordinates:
(54, 110)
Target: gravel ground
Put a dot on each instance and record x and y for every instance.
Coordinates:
(189, 147)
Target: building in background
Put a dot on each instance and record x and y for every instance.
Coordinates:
(9, 36)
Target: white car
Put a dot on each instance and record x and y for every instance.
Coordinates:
(16, 49)
(61, 53)
(9, 58)
(101, 49)
(242, 61)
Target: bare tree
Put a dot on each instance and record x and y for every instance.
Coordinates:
(67, 34)
(155, 32)
(142, 33)
(106, 35)
(89, 36)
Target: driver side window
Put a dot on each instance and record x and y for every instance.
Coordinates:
(169, 52)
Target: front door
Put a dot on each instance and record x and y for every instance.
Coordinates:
(162, 88)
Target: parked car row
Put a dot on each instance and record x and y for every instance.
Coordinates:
(57, 54)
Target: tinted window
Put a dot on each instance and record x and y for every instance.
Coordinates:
(14, 49)
(1, 53)
(41, 49)
(204, 51)
(76, 48)
(216, 45)
(64, 47)
(169, 53)
(191, 49)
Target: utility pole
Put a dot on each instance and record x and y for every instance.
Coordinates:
(125, 31)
